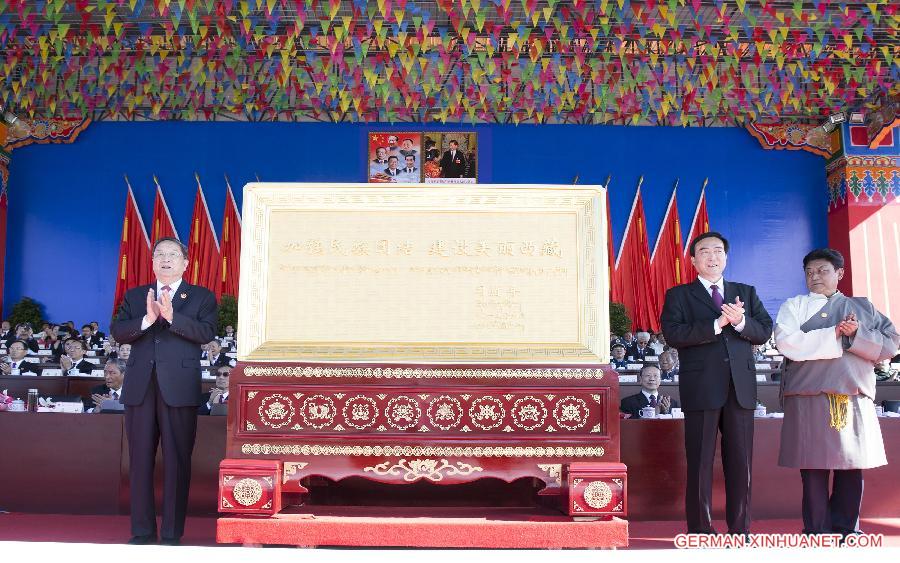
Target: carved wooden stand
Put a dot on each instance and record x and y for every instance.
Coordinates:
(446, 424)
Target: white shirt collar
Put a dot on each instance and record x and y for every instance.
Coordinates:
(708, 284)
(818, 296)
(173, 285)
(648, 395)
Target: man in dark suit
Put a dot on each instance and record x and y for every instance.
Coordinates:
(214, 355)
(649, 395)
(219, 393)
(453, 163)
(392, 169)
(641, 348)
(73, 363)
(90, 339)
(618, 359)
(162, 391)
(114, 376)
(713, 323)
(667, 369)
(19, 363)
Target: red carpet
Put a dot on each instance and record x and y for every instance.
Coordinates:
(202, 531)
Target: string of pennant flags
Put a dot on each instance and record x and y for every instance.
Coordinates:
(665, 62)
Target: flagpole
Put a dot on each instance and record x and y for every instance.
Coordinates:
(696, 213)
(136, 211)
(665, 218)
(637, 194)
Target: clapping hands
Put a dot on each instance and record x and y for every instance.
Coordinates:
(847, 327)
(158, 308)
(732, 313)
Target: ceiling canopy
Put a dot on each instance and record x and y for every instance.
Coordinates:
(664, 62)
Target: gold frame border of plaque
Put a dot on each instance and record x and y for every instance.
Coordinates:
(313, 256)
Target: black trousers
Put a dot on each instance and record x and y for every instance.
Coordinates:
(701, 429)
(837, 512)
(146, 425)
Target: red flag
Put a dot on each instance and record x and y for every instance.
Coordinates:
(699, 225)
(134, 251)
(231, 246)
(666, 266)
(203, 247)
(162, 219)
(615, 288)
(4, 208)
(633, 269)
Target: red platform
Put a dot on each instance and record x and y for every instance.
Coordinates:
(470, 527)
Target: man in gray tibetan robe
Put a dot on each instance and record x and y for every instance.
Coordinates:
(833, 342)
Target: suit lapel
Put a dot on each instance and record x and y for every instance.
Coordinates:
(182, 296)
(699, 292)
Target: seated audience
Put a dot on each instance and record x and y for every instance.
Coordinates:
(649, 395)
(627, 340)
(758, 354)
(23, 332)
(91, 340)
(657, 343)
(219, 393)
(641, 348)
(114, 374)
(618, 360)
(123, 352)
(216, 357)
(49, 337)
(5, 330)
(73, 363)
(18, 363)
(95, 328)
(667, 369)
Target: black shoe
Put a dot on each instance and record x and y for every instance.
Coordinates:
(170, 541)
(142, 540)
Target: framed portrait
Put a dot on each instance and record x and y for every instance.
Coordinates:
(451, 157)
(394, 156)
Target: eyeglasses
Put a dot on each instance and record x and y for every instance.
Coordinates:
(166, 255)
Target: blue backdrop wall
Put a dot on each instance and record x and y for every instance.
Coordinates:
(67, 201)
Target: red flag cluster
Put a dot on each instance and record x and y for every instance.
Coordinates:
(640, 279)
(208, 265)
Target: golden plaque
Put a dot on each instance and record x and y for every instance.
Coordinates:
(414, 274)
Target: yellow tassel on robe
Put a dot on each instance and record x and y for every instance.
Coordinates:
(838, 408)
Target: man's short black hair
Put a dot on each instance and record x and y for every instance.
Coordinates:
(455, 142)
(394, 156)
(831, 255)
(181, 246)
(86, 326)
(20, 341)
(710, 234)
(646, 366)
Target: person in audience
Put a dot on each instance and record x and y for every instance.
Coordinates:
(114, 376)
(5, 328)
(627, 340)
(641, 347)
(68, 328)
(830, 431)
(658, 343)
(219, 393)
(618, 357)
(123, 352)
(18, 363)
(73, 363)
(649, 395)
(667, 369)
(673, 353)
(57, 348)
(215, 356)
(229, 332)
(90, 339)
(758, 354)
(49, 338)
(23, 332)
(95, 327)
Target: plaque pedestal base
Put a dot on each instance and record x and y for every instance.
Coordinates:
(470, 527)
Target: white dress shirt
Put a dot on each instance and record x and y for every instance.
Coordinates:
(159, 285)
